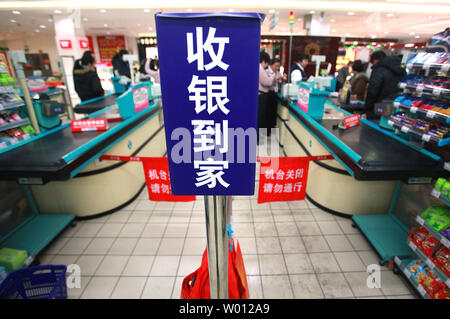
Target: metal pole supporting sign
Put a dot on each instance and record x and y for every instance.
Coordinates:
(209, 70)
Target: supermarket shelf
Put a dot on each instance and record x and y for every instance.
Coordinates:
(425, 114)
(408, 276)
(14, 140)
(429, 66)
(14, 124)
(11, 106)
(439, 196)
(424, 137)
(430, 263)
(444, 241)
(421, 88)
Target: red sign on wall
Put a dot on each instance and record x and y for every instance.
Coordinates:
(109, 46)
(84, 44)
(156, 171)
(65, 44)
(283, 179)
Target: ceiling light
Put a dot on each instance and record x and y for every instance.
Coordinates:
(411, 33)
(417, 36)
(105, 25)
(189, 10)
(373, 36)
(390, 15)
(355, 43)
(334, 30)
(332, 20)
(272, 11)
(350, 13)
(42, 26)
(378, 27)
(85, 19)
(150, 28)
(12, 20)
(50, 20)
(231, 10)
(16, 12)
(147, 10)
(347, 34)
(299, 19)
(386, 32)
(312, 11)
(57, 11)
(409, 45)
(102, 11)
(430, 17)
(283, 29)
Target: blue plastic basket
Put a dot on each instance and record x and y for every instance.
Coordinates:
(40, 282)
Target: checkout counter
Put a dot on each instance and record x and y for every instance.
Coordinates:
(370, 170)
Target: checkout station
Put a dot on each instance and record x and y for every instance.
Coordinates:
(378, 178)
(54, 176)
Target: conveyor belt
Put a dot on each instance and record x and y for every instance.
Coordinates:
(44, 157)
(382, 157)
(96, 105)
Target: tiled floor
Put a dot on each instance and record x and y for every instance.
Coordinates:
(291, 250)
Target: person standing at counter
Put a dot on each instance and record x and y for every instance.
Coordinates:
(266, 81)
(274, 70)
(383, 84)
(359, 81)
(85, 77)
(298, 69)
(152, 69)
(342, 76)
(120, 66)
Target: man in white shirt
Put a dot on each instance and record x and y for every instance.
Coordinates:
(298, 69)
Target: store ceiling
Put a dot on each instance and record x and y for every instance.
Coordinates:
(407, 20)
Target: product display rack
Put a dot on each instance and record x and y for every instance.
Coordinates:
(424, 114)
(441, 197)
(402, 264)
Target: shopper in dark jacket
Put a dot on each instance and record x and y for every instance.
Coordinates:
(86, 80)
(122, 67)
(359, 81)
(386, 74)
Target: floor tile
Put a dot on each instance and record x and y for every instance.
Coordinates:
(183, 206)
(255, 287)
(189, 264)
(302, 215)
(164, 206)
(349, 261)
(265, 230)
(139, 217)
(100, 288)
(272, 265)
(99, 246)
(147, 246)
(276, 206)
(334, 285)
(88, 230)
(248, 245)
(197, 217)
(242, 216)
(179, 218)
(194, 246)
(158, 288)
(298, 264)
(402, 297)
(75, 292)
(171, 246)
(377, 297)
(287, 229)
(298, 204)
(315, 244)
(359, 242)
(112, 266)
(320, 215)
(165, 266)
(132, 206)
(199, 205)
(268, 245)
(277, 287)
(241, 205)
(338, 243)
(121, 216)
(159, 217)
(324, 262)
(89, 264)
(370, 257)
(346, 226)
(244, 230)
(123, 246)
(306, 286)
(176, 293)
(132, 230)
(75, 246)
(196, 230)
(129, 288)
(392, 284)
(358, 283)
(255, 206)
(138, 266)
(145, 204)
(56, 245)
(261, 216)
(176, 230)
(292, 245)
(110, 230)
(70, 231)
(251, 263)
(308, 228)
(64, 260)
(154, 230)
(330, 228)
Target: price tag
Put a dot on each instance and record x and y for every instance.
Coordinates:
(447, 166)
(421, 290)
(413, 247)
(430, 264)
(413, 109)
(436, 193)
(28, 261)
(397, 261)
(420, 87)
(420, 220)
(405, 129)
(445, 242)
(396, 104)
(430, 114)
(445, 67)
(437, 91)
(403, 85)
(407, 273)
(426, 137)
(390, 123)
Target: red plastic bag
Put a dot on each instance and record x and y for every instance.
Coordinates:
(196, 284)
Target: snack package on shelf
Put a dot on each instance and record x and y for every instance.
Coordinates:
(28, 129)
(445, 233)
(424, 240)
(437, 216)
(442, 294)
(428, 245)
(432, 283)
(14, 132)
(420, 126)
(442, 259)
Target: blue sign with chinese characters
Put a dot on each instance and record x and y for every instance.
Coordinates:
(209, 69)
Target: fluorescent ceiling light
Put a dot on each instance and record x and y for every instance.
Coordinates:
(231, 10)
(42, 26)
(189, 10)
(16, 12)
(411, 33)
(57, 11)
(150, 28)
(312, 11)
(12, 20)
(147, 10)
(332, 20)
(85, 19)
(334, 30)
(347, 34)
(355, 43)
(390, 15)
(417, 36)
(373, 36)
(409, 45)
(102, 11)
(105, 25)
(50, 20)
(272, 11)
(350, 13)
